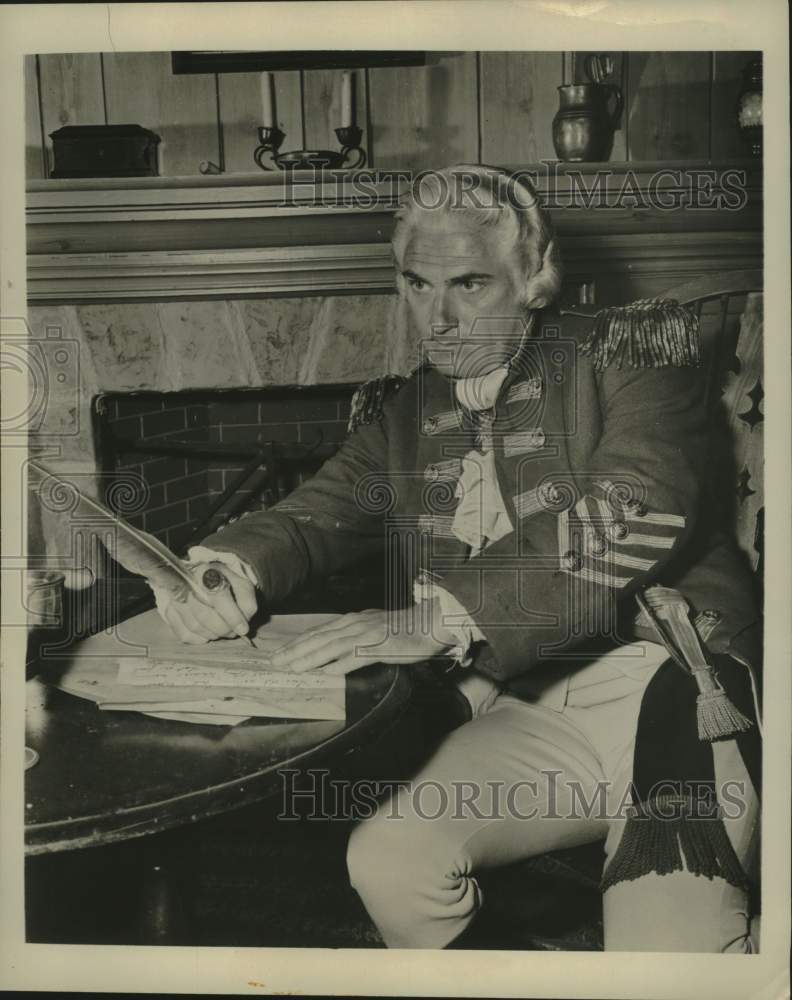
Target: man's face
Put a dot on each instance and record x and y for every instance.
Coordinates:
(461, 286)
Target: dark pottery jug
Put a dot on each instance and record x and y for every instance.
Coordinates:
(583, 126)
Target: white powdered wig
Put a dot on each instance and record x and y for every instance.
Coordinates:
(488, 197)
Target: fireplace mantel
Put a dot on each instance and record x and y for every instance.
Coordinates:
(256, 235)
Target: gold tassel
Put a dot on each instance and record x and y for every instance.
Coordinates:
(716, 715)
(649, 333)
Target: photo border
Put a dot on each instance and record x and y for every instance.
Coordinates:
(561, 25)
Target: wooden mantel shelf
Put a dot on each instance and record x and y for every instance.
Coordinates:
(274, 234)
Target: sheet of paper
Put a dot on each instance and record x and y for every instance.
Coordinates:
(154, 671)
(225, 680)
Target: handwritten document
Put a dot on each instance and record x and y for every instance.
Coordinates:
(165, 672)
(223, 683)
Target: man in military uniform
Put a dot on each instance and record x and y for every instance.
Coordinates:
(544, 476)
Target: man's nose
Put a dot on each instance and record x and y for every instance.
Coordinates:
(443, 316)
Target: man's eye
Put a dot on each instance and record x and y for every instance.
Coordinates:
(472, 286)
(416, 284)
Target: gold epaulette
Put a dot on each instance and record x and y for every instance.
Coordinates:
(649, 333)
(367, 402)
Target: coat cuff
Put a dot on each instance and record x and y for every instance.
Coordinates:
(454, 617)
(199, 554)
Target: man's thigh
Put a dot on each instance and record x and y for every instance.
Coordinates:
(503, 787)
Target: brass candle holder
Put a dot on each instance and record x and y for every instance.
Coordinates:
(351, 155)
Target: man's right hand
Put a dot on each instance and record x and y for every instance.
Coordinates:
(222, 614)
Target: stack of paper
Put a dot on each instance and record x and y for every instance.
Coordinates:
(223, 683)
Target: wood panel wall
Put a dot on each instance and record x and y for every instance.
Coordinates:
(491, 107)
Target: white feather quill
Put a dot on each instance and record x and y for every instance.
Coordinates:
(136, 550)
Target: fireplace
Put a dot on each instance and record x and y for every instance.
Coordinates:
(202, 458)
(234, 374)
(190, 462)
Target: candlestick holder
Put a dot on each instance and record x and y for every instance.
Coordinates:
(270, 139)
(351, 155)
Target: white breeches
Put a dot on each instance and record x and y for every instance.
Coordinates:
(521, 779)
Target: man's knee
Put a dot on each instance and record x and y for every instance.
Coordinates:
(417, 888)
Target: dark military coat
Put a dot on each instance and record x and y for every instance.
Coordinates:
(604, 473)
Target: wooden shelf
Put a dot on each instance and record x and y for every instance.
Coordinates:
(275, 234)
(266, 178)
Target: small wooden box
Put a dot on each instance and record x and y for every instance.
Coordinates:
(104, 151)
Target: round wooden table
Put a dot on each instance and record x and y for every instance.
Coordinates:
(104, 777)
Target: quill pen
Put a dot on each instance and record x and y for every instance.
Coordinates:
(136, 550)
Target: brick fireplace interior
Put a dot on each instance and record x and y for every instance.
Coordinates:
(187, 448)
(198, 459)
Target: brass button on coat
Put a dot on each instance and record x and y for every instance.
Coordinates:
(550, 496)
(598, 545)
(429, 425)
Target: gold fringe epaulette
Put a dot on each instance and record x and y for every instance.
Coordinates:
(649, 333)
(367, 402)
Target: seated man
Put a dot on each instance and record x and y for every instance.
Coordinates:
(541, 476)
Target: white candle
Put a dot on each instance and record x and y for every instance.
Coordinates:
(347, 99)
(267, 101)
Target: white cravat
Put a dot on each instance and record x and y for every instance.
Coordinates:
(481, 392)
(481, 516)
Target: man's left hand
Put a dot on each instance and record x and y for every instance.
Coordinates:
(356, 640)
